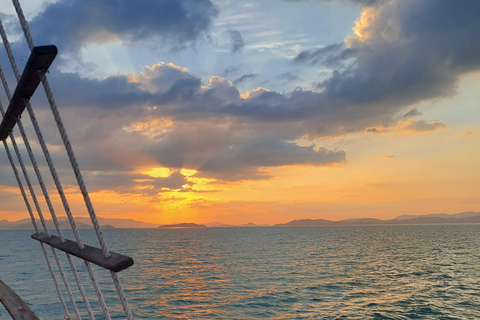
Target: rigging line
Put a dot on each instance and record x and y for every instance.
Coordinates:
(47, 199)
(20, 185)
(67, 315)
(44, 190)
(99, 293)
(54, 175)
(72, 158)
(79, 284)
(34, 198)
(29, 208)
(40, 179)
(64, 135)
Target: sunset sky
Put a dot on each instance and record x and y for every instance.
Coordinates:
(257, 111)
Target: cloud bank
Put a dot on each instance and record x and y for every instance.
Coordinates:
(74, 24)
(403, 52)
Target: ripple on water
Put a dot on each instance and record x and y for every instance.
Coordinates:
(366, 272)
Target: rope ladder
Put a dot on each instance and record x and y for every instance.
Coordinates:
(34, 73)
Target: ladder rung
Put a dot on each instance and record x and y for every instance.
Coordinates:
(40, 60)
(16, 307)
(116, 262)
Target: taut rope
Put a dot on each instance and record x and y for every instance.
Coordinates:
(81, 184)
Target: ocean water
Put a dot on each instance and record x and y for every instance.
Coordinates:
(334, 272)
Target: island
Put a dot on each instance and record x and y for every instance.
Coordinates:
(182, 225)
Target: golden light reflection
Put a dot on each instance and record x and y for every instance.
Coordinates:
(363, 23)
(369, 27)
(254, 93)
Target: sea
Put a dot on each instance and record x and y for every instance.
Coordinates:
(324, 272)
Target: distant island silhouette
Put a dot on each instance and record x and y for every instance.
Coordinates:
(182, 225)
(109, 223)
(435, 218)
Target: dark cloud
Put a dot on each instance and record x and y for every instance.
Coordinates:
(244, 78)
(332, 56)
(412, 113)
(407, 51)
(216, 144)
(129, 182)
(73, 24)
(230, 71)
(236, 40)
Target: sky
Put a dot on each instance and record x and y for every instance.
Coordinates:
(257, 111)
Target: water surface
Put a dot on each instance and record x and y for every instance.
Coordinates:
(334, 272)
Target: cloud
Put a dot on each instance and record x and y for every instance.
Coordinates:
(244, 78)
(230, 71)
(402, 52)
(412, 113)
(131, 182)
(74, 24)
(386, 157)
(287, 77)
(468, 133)
(332, 56)
(360, 2)
(420, 126)
(166, 117)
(374, 130)
(391, 67)
(236, 39)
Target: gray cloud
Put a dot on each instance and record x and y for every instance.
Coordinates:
(236, 39)
(332, 56)
(230, 71)
(167, 118)
(244, 78)
(412, 113)
(73, 24)
(130, 182)
(409, 51)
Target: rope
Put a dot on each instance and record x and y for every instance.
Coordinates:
(20, 185)
(29, 208)
(80, 287)
(44, 190)
(72, 159)
(75, 167)
(64, 135)
(56, 223)
(67, 315)
(40, 180)
(121, 294)
(97, 289)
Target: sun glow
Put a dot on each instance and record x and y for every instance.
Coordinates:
(158, 172)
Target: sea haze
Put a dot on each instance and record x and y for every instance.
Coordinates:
(321, 272)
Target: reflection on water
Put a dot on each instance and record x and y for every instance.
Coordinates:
(376, 272)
